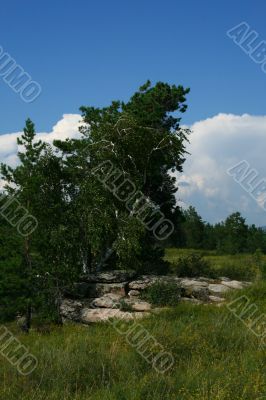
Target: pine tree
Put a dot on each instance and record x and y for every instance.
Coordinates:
(22, 183)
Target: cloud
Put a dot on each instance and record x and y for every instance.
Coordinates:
(67, 127)
(217, 144)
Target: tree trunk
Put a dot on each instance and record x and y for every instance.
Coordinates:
(29, 270)
(28, 317)
(58, 302)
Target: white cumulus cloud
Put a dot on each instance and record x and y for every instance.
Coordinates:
(216, 144)
(67, 127)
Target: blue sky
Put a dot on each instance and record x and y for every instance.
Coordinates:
(85, 52)
(89, 53)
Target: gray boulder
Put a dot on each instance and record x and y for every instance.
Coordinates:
(71, 309)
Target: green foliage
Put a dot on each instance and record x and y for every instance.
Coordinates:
(152, 262)
(236, 233)
(23, 183)
(193, 265)
(124, 306)
(82, 224)
(13, 285)
(45, 261)
(162, 294)
(194, 229)
(143, 141)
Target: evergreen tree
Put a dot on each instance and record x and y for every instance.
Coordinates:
(194, 229)
(236, 232)
(22, 183)
(13, 284)
(256, 239)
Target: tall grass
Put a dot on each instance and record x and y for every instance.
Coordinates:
(216, 358)
(239, 266)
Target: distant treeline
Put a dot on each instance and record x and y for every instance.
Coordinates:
(231, 236)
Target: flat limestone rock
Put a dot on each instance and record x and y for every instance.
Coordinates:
(216, 299)
(192, 282)
(233, 284)
(139, 305)
(109, 300)
(134, 293)
(142, 283)
(89, 315)
(112, 300)
(218, 289)
(203, 279)
(100, 301)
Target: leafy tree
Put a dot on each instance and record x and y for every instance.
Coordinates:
(86, 221)
(143, 141)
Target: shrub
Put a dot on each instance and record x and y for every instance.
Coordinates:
(162, 294)
(123, 306)
(194, 265)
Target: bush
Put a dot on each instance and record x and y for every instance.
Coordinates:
(162, 294)
(193, 266)
(123, 306)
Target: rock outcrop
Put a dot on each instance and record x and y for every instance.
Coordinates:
(117, 294)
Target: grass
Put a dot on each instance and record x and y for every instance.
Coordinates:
(239, 266)
(216, 358)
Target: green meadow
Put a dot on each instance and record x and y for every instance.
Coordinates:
(238, 266)
(216, 356)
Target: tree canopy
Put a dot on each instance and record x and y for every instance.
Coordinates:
(90, 218)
